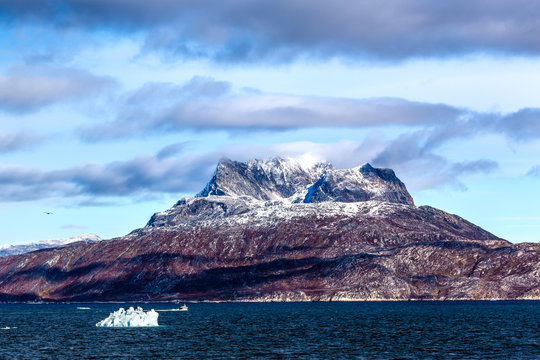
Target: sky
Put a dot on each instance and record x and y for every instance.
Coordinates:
(113, 110)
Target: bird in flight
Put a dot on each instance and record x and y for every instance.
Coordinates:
(47, 213)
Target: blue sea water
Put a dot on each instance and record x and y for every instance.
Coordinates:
(359, 330)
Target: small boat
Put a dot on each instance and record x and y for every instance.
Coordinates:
(183, 308)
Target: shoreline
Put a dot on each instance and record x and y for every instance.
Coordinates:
(239, 301)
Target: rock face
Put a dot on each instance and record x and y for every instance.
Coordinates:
(282, 230)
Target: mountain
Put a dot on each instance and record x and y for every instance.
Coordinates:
(280, 179)
(284, 230)
(6, 250)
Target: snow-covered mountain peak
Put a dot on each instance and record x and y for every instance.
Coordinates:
(237, 188)
(304, 180)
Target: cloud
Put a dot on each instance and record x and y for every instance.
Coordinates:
(285, 30)
(18, 141)
(208, 104)
(180, 172)
(26, 88)
(173, 149)
(521, 125)
(93, 182)
(534, 171)
(414, 156)
(466, 167)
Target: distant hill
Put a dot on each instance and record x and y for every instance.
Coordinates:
(6, 250)
(283, 230)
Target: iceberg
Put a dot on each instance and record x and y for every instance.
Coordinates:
(130, 318)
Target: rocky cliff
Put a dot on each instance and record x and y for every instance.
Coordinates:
(282, 230)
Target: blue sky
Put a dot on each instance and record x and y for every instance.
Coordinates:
(113, 110)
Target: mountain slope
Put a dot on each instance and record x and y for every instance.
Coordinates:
(284, 230)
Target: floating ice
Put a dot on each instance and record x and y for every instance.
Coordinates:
(130, 318)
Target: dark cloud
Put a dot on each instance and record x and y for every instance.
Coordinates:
(405, 148)
(283, 30)
(173, 149)
(139, 175)
(136, 177)
(25, 88)
(18, 141)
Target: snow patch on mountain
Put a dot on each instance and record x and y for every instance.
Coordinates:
(232, 211)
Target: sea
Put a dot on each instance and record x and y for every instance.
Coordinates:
(319, 330)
